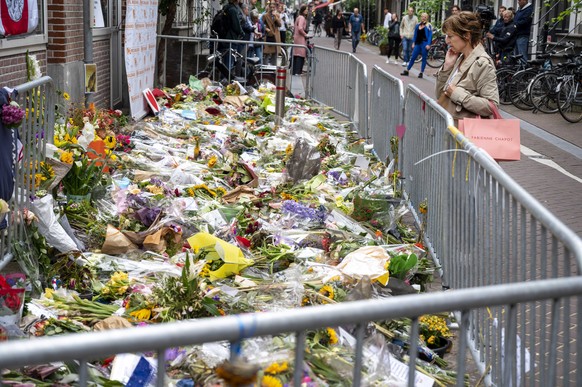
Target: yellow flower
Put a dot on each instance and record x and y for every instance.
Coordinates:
(156, 190)
(67, 157)
(212, 161)
(332, 336)
(327, 291)
(270, 381)
(110, 142)
(276, 368)
(289, 149)
(48, 293)
(66, 96)
(142, 314)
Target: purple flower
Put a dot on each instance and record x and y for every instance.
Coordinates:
(305, 212)
(147, 216)
(12, 115)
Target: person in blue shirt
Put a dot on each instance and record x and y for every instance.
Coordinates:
(422, 39)
(522, 21)
(357, 28)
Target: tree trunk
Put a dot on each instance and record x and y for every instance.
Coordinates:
(161, 51)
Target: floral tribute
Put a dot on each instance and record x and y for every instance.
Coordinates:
(211, 209)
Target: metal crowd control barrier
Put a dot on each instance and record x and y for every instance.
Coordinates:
(38, 99)
(235, 329)
(386, 110)
(484, 229)
(340, 80)
(186, 56)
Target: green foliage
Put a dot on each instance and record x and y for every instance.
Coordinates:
(401, 264)
(83, 176)
(575, 6)
(431, 7)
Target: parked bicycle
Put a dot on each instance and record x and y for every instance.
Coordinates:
(229, 65)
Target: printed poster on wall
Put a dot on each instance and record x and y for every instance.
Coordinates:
(140, 52)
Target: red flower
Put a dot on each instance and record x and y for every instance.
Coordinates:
(12, 301)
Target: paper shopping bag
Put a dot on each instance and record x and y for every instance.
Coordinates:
(499, 137)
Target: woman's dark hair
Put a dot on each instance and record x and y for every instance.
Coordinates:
(462, 23)
(302, 9)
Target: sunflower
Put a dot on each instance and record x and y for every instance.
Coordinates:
(270, 381)
(66, 96)
(332, 335)
(327, 291)
(212, 161)
(110, 142)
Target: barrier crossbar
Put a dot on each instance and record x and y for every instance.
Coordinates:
(234, 329)
(38, 99)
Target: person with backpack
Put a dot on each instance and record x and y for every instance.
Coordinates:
(227, 25)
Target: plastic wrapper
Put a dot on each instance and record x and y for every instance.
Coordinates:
(12, 289)
(49, 227)
(368, 261)
(304, 162)
(232, 257)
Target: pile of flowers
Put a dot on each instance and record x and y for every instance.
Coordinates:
(212, 209)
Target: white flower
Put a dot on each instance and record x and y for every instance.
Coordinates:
(87, 135)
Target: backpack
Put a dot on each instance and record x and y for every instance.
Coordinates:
(220, 23)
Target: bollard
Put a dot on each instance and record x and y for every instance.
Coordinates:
(280, 84)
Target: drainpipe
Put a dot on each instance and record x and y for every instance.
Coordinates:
(87, 44)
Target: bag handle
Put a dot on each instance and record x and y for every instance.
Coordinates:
(495, 110)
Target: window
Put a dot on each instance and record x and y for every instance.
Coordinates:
(14, 44)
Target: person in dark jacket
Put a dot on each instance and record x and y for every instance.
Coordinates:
(338, 25)
(496, 29)
(393, 38)
(505, 39)
(234, 31)
(522, 21)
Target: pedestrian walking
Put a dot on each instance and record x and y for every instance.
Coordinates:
(393, 38)
(422, 39)
(407, 26)
(356, 28)
(338, 24)
(466, 82)
(300, 37)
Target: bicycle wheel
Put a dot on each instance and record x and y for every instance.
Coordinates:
(518, 89)
(543, 92)
(436, 56)
(570, 100)
(504, 77)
